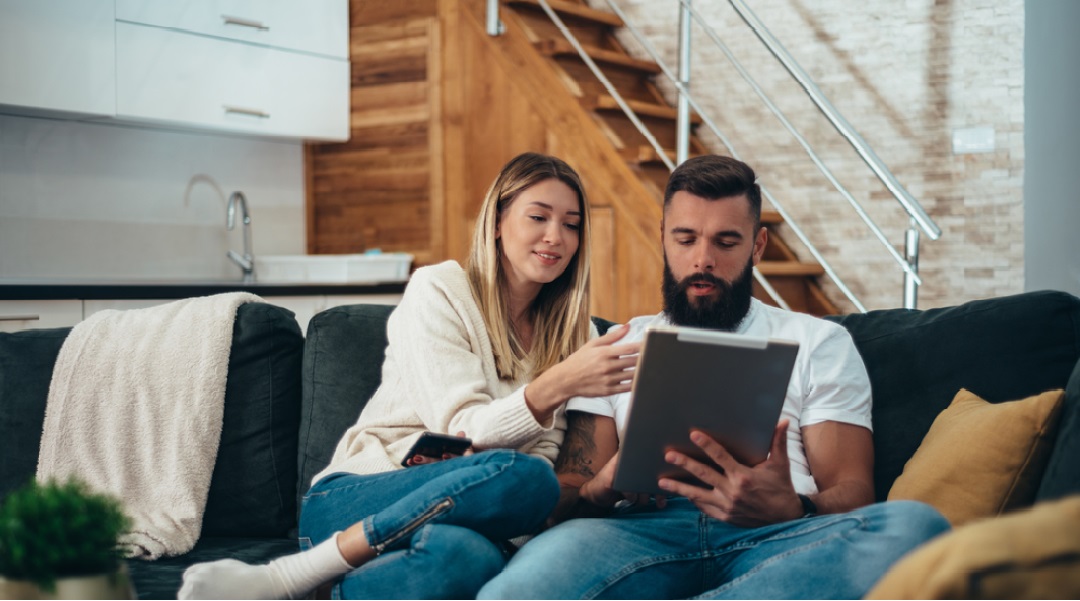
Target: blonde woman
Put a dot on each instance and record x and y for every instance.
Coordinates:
(493, 352)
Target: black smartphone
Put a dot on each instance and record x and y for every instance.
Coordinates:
(433, 444)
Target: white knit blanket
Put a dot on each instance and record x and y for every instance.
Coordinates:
(135, 409)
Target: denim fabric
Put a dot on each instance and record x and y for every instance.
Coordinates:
(678, 552)
(436, 526)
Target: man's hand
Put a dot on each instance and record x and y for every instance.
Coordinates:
(600, 491)
(585, 491)
(740, 495)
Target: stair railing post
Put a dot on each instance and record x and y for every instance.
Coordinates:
(911, 254)
(495, 26)
(682, 138)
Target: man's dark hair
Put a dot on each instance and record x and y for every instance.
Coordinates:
(712, 177)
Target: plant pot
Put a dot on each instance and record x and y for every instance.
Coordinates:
(102, 586)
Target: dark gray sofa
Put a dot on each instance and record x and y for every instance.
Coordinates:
(288, 401)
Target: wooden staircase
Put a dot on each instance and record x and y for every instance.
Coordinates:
(795, 281)
(438, 106)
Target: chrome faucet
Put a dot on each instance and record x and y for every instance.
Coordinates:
(247, 260)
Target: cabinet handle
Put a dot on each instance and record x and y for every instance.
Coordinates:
(27, 317)
(246, 111)
(229, 20)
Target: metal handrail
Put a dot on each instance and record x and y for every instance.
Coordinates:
(918, 216)
(825, 171)
(661, 153)
(791, 223)
(906, 200)
(682, 140)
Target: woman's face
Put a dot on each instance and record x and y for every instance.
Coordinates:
(539, 235)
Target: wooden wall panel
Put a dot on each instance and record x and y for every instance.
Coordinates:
(379, 190)
(498, 112)
(438, 107)
(604, 264)
(366, 12)
(495, 125)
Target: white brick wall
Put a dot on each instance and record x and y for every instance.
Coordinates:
(905, 75)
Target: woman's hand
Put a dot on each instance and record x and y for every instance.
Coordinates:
(599, 368)
(426, 459)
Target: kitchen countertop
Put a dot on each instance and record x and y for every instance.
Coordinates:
(59, 289)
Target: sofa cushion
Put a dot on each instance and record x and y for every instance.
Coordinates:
(342, 368)
(252, 491)
(980, 459)
(1062, 476)
(1033, 554)
(26, 363)
(1001, 349)
(162, 579)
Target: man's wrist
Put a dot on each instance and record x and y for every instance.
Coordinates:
(809, 508)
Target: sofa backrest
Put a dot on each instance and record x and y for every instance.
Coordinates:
(1002, 349)
(342, 369)
(252, 490)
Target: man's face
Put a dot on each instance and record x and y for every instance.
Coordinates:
(710, 249)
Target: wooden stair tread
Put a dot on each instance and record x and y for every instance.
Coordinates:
(790, 276)
(641, 108)
(645, 153)
(789, 268)
(573, 9)
(771, 217)
(609, 57)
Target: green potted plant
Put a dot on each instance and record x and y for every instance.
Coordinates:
(59, 540)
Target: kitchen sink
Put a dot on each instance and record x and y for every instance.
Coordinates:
(352, 268)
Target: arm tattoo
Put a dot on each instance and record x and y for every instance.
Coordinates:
(579, 446)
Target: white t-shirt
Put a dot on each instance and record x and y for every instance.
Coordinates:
(829, 382)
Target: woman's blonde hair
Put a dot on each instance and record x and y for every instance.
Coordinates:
(560, 313)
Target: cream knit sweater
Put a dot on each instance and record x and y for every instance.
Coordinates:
(440, 375)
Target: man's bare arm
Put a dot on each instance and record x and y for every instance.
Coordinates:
(841, 458)
(576, 457)
(591, 441)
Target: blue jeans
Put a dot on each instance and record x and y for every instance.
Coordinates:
(679, 552)
(436, 527)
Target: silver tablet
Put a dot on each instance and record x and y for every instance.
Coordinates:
(728, 385)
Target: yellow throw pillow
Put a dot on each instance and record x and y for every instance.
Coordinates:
(1031, 554)
(980, 459)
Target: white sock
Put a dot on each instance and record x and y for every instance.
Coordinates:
(290, 577)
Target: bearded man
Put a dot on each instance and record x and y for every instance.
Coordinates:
(801, 524)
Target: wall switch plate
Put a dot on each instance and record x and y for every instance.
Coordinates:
(971, 140)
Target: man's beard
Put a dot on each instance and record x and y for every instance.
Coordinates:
(724, 312)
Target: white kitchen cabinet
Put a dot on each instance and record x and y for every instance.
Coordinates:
(274, 68)
(57, 55)
(305, 307)
(91, 306)
(338, 300)
(17, 315)
(304, 26)
(174, 78)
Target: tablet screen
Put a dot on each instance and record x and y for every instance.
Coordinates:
(728, 385)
